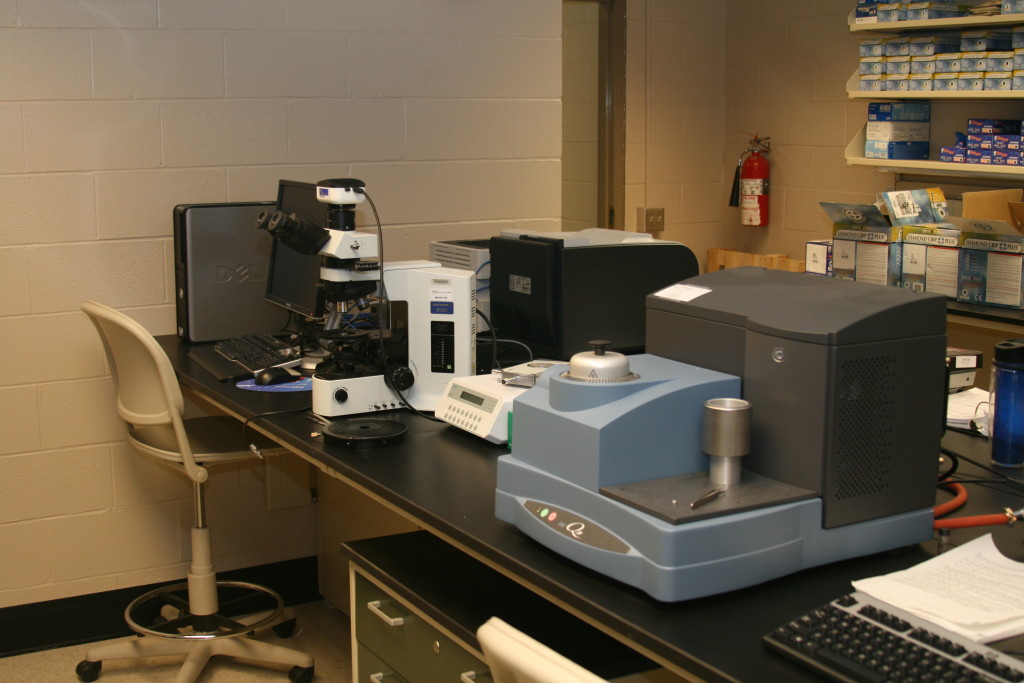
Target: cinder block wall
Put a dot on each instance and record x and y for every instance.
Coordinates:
(701, 76)
(113, 112)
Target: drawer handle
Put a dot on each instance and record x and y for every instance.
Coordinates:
(374, 606)
(468, 677)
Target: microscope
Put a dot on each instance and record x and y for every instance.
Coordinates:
(395, 332)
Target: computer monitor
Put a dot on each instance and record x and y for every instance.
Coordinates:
(293, 279)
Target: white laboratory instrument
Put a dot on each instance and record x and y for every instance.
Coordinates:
(481, 404)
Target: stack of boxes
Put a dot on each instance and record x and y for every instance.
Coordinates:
(874, 11)
(918, 247)
(994, 142)
(962, 61)
(871, 11)
(897, 130)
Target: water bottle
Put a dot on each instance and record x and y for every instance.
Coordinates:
(1008, 404)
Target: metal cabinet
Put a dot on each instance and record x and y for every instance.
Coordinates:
(393, 641)
(417, 602)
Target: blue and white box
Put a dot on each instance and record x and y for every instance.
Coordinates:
(892, 11)
(980, 41)
(991, 263)
(897, 131)
(996, 126)
(872, 47)
(818, 257)
(947, 62)
(897, 46)
(973, 61)
(872, 83)
(970, 81)
(979, 141)
(945, 82)
(933, 45)
(880, 149)
(931, 259)
(1001, 60)
(952, 155)
(899, 111)
(897, 83)
(922, 64)
(921, 11)
(998, 80)
(866, 14)
(920, 82)
(870, 66)
(897, 66)
(865, 247)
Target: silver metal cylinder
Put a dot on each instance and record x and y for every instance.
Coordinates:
(725, 438)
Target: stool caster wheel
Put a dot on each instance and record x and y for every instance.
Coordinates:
(301, 674)
(286, 629)
(89, 671)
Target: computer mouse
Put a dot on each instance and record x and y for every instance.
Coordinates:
(273, 376)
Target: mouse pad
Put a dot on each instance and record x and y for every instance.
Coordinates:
(300, 384)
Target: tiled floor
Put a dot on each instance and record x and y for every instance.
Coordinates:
(323, 632)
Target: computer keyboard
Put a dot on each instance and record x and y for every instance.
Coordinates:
(258, 351)
(858, 638)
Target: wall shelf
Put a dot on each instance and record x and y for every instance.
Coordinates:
(855, 157)
(854, 92)
(855, 149)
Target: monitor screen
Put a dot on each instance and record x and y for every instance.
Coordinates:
(293, 280)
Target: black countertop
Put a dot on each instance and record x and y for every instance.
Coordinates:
(444, 479)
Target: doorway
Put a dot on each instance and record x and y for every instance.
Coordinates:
(593, 113)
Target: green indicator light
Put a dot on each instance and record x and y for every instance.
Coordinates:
(544, 512)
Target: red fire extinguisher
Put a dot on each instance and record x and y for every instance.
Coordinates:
(750, 184)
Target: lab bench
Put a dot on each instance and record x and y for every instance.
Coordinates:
(442, 480)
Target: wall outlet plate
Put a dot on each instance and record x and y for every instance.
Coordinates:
(650, 220)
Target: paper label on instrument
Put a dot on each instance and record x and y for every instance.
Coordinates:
(679, 292)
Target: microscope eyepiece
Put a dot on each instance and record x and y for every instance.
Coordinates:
(294, 231)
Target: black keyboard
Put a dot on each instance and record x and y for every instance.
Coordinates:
(858, 638)
(257, 351)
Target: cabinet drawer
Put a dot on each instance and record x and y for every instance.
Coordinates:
(373, 669)
(412, 646)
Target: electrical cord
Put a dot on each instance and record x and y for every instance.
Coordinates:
(259, 416)
(385, 305)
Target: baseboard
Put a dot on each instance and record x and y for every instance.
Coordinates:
(99, 616)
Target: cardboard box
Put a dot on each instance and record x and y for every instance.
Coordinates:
(818, 257)
(875, 262)
(865, 247)
(931, 259)
(899, 111)
(880, 149)
(992, 248)
(897, 131)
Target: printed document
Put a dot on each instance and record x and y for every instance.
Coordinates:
(973, 590)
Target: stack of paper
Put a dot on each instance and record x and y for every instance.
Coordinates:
(968, 410)
(973, 590)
